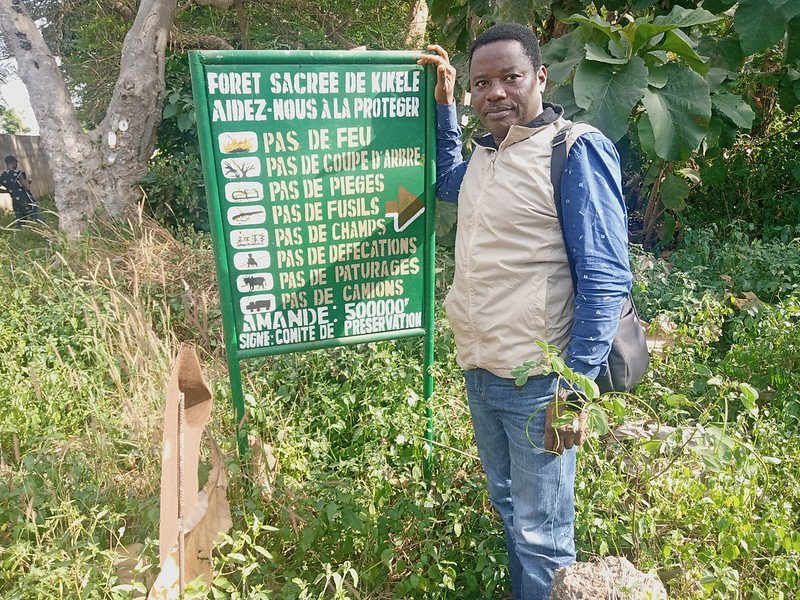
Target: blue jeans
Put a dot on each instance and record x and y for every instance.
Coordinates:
(532, 489)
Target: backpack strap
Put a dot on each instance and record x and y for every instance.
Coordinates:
(561, 145)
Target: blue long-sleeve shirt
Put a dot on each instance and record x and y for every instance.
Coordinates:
(595, 232)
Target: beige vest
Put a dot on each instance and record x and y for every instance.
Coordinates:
(512, 283)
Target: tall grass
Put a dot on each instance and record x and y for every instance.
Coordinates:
(88, 332)
(87, 344)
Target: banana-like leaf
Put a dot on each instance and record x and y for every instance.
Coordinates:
(674, 191)
(679, 112)
(734, 108)
(758, 24)
(608, 93)
(788, 9)
(678, 18)
(561, 55)
(679, 44)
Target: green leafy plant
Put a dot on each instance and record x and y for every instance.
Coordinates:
(673, 83)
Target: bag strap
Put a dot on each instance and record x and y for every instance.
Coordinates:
(560, 147)
(558, 160)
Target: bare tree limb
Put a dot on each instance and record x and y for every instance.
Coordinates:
(185, 41)
(100, 168)
(123, 10)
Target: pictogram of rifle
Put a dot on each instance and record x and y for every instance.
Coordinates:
(244, 217)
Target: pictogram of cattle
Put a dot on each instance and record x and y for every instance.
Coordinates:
(255, 282)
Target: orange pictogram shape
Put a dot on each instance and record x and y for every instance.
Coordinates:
(407, 208)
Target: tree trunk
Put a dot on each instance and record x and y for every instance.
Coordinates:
(73, 160)
(244, 25)
(654, 208)
(127, 134)
(98, 169)
(417, 24)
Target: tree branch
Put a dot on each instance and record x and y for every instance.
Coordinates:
(136, 101)
(244, 25)
(123, 10)
(417, 24)
(37, 67)
(331, 31)
(185, 41)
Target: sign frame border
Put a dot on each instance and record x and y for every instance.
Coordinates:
(198, 60)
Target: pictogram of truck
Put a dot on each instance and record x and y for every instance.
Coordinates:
(259, 305)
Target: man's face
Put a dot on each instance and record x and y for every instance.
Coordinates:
(11, 165)
(506, 89)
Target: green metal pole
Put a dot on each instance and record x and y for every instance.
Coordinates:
(430, 260)
(197, 70)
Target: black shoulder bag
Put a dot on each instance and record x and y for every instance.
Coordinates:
(629, 358)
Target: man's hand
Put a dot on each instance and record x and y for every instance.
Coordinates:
(444, 93)
(558, 434)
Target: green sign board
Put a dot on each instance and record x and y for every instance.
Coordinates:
(319, 171)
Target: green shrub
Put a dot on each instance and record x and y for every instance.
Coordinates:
(756, 181)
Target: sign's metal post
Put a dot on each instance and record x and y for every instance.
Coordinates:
(320, 177)
(221, 259)
(430, 268)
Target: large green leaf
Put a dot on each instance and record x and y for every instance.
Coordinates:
(715, 78)
(608, 93)
(758, 24)
(439, 9)
(679, 112)
(680, 17)
(677, 18)
(789, 90)
(597, 53)
(679, 44)
(711, 172)
(718, 6)
(792, 41)
(656, 78)
(734, 108)
(521, 12)
(674, 191)
(647, 140)
(596, 22)
(656, 58)
(564, 96)
(480, 7)
(714, 132)
(723, 52)
(788, 9)
(561, 55)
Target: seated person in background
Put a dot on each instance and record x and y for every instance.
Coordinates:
(16, 183)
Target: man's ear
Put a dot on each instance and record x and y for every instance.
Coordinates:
(541, 75)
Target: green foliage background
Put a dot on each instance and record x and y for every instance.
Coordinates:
(11, 122)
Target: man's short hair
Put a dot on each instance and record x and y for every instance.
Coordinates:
(11, 159)
(510, 31)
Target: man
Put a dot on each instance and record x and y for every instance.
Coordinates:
(16, 183)
(513, 286)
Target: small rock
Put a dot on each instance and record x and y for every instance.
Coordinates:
(609, 578)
